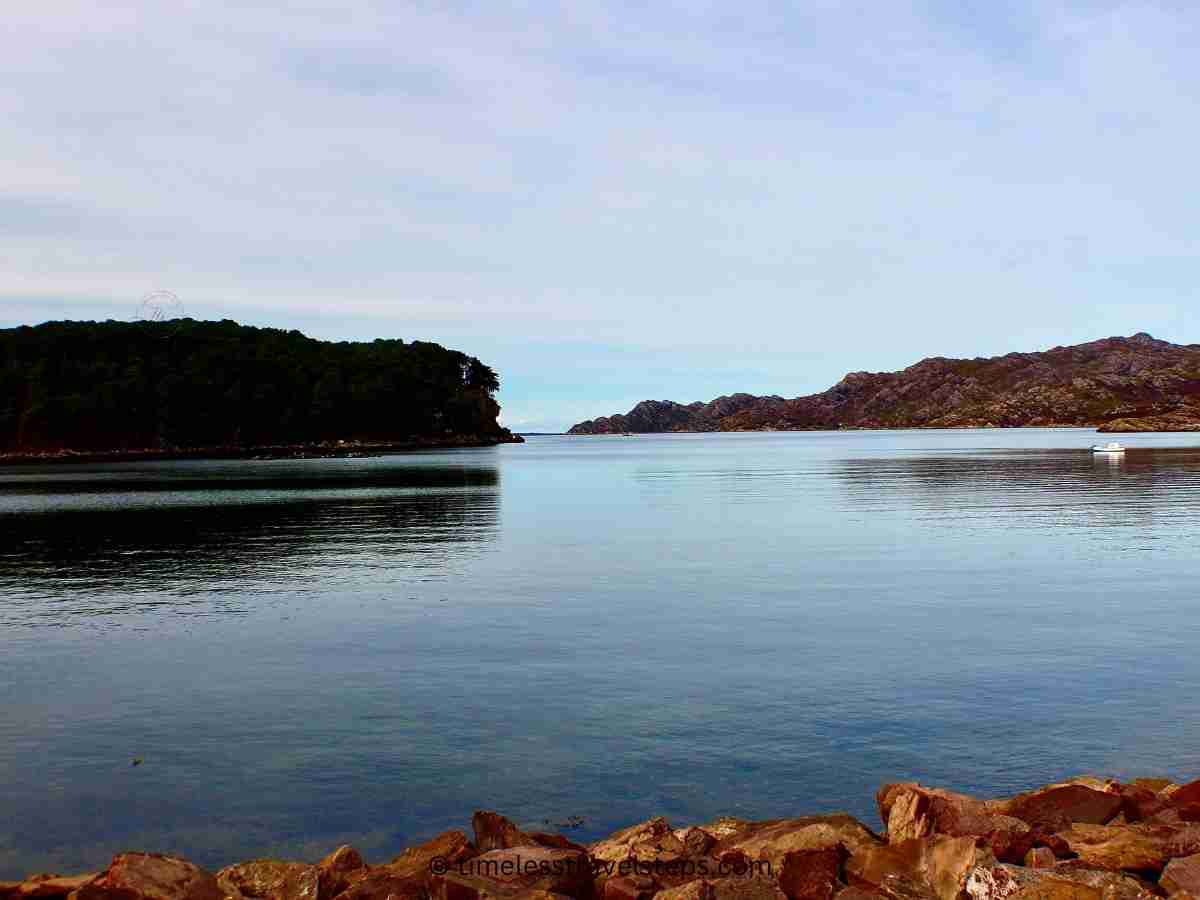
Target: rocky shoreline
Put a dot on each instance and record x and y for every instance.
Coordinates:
(321, 450)
(1083, 839)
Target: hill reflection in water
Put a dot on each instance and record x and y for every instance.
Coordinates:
(1149, 489)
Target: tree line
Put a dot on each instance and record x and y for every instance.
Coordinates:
(186, 383)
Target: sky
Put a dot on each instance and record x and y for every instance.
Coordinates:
(607, 202)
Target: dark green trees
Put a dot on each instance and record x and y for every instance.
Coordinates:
(132, 385)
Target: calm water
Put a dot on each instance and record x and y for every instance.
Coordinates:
(312, 652)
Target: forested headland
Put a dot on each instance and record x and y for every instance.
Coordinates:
(185, 384)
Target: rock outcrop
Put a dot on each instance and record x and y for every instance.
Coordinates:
(1084, 839)
(1133, 383)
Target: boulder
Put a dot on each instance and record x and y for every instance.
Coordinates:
(1058, 806)
(1112, 885)
(1185, 795)
(1004, 882)
(646, 842)
(45, 886)
(812, 874)
(1183, 840)
(271, 879)
(693, 890)
(1157, 785)
(772, 841)
(1182, 875)
(407, 877)
(752, 888)
(517, 871)
(696, 841)
(384, 883)
(630, 887)
(910, 811)
(1185, 801)
(150, 876)
(546, 839)
(933, 867)
(726, 826)
(494, 832)
(1139, 802)
(1040, 858)
(1133, 848)
(338, 869)
(451, 847)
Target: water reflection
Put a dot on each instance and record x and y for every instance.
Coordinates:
(1033, 488)
(212, 542)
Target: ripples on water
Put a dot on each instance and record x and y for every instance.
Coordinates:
(317, 651)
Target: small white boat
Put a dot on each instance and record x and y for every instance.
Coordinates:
(1112, 447)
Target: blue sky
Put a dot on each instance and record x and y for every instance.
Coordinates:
(612, 202)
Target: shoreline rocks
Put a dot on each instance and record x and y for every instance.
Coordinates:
(1083, 839)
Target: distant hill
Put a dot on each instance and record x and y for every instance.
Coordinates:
(120, 386)
(1133, 383)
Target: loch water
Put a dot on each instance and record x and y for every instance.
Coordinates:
(305, 653)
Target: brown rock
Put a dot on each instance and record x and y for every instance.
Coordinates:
(1051, 889)
(812, 874)
(1156, 785)
(1061, 849)
(911, 811)
(1112, 885)
(630, 887)
(922, 867)
(1182, 875)
(646, 841)
(271, 879)
(1183, 841)
(517, 871)
(734, 861)
(337, 870)
(854, 893)
(49, 886)
(753, 888)
(451, 847)
(772, 841)
(908, 810)
(696, 841)
(1187, 795)
(1168, 816)
(1040, 858)
(1007, 881)
(150, 876)
(1138, 803)
(494, 832)
(1131, 849)
(726, 827)
(546, 839)
(693, 890)
(383, 882)
(1057, 807)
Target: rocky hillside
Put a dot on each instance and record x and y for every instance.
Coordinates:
(1085, 839)
(1136, 383)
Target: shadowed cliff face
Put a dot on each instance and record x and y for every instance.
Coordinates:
(1138, 381)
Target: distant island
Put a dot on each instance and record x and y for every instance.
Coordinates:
(190, 388)
(1118, 384)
